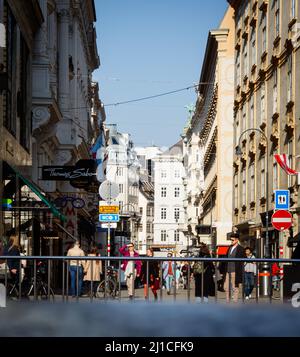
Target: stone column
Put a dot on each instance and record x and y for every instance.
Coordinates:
(63, 60)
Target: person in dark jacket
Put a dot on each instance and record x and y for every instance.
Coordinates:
(234, 270)
(13, 250)
(153, 275)
(208, 279)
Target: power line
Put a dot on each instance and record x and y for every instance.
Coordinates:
(151, 96)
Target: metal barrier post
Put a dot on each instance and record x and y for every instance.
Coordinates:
(202, 281)
(147, 280)
(92, 281)
(188, 282)
(161, 280)
(68, 279)
(257, 283)
(48, 293)
(20, 279)
(243, 282)
(63, 280)
(34, 279)
(105, 279)
(77, 281)
(174, 279)
(119, 280)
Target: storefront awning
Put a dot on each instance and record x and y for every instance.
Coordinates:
(37, 191)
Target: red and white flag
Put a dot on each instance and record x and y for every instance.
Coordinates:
(283, 162)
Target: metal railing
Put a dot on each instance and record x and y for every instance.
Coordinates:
(36, 284)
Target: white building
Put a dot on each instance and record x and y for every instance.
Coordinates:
(145, 156)
(169, 213)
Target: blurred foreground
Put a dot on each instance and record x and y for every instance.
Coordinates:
(113, 319)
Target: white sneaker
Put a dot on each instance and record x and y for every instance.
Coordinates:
(197, 299)
(250, 296)
(247, 297)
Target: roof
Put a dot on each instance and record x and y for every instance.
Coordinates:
(147, 189)
(175, 149)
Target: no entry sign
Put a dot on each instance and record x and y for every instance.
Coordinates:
(282, 220)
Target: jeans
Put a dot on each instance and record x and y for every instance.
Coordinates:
(73, 273)
(169, 280)
(249, 283)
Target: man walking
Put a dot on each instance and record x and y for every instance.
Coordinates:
(234, 270)
(168, 273)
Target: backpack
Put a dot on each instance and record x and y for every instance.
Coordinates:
(198, 268)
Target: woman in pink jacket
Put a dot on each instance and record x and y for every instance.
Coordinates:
(131, 268)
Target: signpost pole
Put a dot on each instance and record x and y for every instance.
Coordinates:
(281, 265)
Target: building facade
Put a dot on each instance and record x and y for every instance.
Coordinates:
(169, 213)
(267, 70)
(52, 89)
(208, 141)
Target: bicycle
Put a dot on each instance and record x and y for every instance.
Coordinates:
(41, 286)
(110, 286)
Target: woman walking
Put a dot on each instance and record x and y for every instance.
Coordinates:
(92, 271)
(206, 269)
(153, 275)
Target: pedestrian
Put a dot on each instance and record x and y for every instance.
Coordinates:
(132, 269)
(233, 270)
(13, 250)
(168, 273)
(92, 271)
(76, 268)
(205, 270)
(177, 275)
(250, 272)
(184, 273)
(153, 275)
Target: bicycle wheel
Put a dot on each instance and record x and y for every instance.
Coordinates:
(43, 293)
(110, 289)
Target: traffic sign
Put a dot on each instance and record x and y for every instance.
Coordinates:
(111, 225)
(108, 190)
(282, 199)
(109, 217)
(282, 220)
(108, 209)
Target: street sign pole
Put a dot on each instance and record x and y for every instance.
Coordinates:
(281, 265)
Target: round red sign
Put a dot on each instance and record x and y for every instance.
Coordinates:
(282, 220)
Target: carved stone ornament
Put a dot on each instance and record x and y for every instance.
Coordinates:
(40, 116)
(63, 157)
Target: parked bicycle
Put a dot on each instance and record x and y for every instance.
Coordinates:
(108, 287)
(27, 286)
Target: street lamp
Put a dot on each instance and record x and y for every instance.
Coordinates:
(266, 267)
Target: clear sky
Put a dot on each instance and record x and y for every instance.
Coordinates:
(148, 47)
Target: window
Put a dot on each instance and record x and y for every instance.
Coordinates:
(176, 192)
(251, 123)
(176, 213)
(163, 213)
(277, 18)
(120, 205)
(141, 227)
(119, 171)
(148, 210)
(275, 92)
(253, 46)
(262, 177)
(244, 117)
(176, 236)
(141, 210)
(290, 79)
(293, 9)
(245, 56)
(252, 183)
(163, 192)
(275, 176)
(148, 227)
(264, 32)
(262, 103)
(236, 191)
(244, 187)
(163, 174)
(290, 160)
(197, 211)
(121, 188)
(163, 235)
(177, 174)
(238, 68)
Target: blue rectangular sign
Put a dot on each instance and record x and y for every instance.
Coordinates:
(109, 217)
(282, 199)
